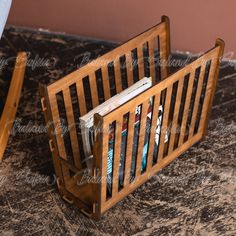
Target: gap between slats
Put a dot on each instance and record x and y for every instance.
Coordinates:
(72, 128)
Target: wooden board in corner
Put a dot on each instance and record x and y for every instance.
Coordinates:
(7, 117)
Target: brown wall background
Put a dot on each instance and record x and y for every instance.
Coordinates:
(194, 24)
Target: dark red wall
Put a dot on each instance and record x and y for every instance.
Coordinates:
(194, 24)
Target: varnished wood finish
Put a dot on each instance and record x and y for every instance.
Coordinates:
(155, 91)
(130, 137)
(155, 112)
(96, 197)
(142, 131)
(10, 108)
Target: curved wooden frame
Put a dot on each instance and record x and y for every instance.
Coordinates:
(10, 108)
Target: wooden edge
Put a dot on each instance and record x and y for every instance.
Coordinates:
(165, 19)
(71, 199)
(49, 123)
(221, 44)
(97, 163)
(10, 108)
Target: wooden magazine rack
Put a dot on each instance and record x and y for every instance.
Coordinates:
(186, 97)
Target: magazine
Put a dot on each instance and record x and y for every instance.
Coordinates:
(86, 121)
(135, 144)
(87, 132)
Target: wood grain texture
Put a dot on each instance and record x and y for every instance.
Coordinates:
(101, 202)
(174, 124)
(186, 197)
(155, 112)
(7, 118)
(72, 128)
(141, 137)
(94, 89)
(129, 149)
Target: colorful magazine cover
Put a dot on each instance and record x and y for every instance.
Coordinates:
(135, 144)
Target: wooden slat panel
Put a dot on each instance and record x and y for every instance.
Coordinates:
(94, 89)
(151, 48)
(105, 81)
(186, 108)
(176, 115)
(129, 68)
(154, 170)
(72, 128)
(160, 86)
(81, 97)
(111, 56)
(140, 61)
(142, 132)
(116, 162)
(118, 78)
(155, 112)
(196, 102)
(57, 125)
(129, 147)
(164, 126)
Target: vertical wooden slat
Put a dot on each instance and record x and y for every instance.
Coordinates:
(94, 89)
(165, 122)
(151, 48)
(153, 128)
(51, 130)
(208, 95)
(116, 161)
(98, 162)
(186, 108)
(213, 77)
(142, 132)
(176, 115)
(105, 81)
(129, 68)
(129, 147)
(140, 61)
(103, 159)
(72, 128)
(163, 55)
(57, 125)
(118, 79)
(196, 102)
(164, 47)
(81, 97)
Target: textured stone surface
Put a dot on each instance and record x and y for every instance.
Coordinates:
(195, 195)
